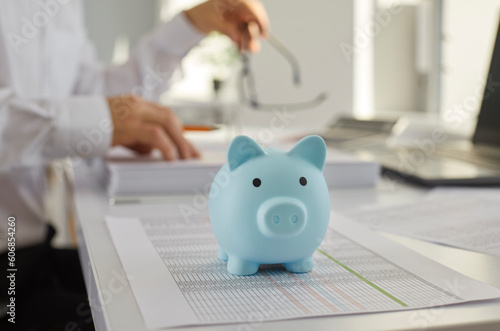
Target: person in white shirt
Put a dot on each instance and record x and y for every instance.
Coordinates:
(57, 100)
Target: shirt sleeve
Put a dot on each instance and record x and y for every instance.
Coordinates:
(35, 131)
(152, 68)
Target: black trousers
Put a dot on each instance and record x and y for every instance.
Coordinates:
(49, 290)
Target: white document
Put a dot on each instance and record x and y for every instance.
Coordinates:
(467, 218)
(171, 262)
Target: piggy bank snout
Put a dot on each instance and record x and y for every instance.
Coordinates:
(281, 217)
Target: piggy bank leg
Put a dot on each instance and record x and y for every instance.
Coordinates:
(221, 254)
(241, 267)
(304, 265)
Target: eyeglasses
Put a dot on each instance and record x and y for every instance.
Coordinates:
(248, 91)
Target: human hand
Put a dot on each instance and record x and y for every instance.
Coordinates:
(244, 21)
(142, 126)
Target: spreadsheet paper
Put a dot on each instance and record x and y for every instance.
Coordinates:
(460, 217)
(177, 280)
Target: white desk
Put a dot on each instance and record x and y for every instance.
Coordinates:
(114, 306)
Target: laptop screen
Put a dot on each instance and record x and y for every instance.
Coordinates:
(488, 122)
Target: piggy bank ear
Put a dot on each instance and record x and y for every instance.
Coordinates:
(311, 149)
(242, 149)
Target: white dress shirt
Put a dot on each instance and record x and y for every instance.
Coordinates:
(52, 97)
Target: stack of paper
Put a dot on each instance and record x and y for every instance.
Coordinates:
(130, 175)
(461, 217)
(177, 280)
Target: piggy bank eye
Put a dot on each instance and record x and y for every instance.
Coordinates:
(303, 181)
(256, 182)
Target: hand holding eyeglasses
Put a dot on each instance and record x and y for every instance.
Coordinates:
(244, 21)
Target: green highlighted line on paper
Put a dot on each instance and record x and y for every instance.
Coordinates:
(363, 278)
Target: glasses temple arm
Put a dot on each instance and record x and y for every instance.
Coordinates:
(283, 50)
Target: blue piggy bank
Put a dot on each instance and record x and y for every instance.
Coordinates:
(270, 206)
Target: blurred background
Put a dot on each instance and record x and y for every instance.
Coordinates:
(424, 60)
(372, 57)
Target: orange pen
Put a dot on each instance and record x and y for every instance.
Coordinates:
(199, 128)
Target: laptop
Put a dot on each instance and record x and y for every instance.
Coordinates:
(435, 162)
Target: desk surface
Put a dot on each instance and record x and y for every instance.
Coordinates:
(114, 306)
